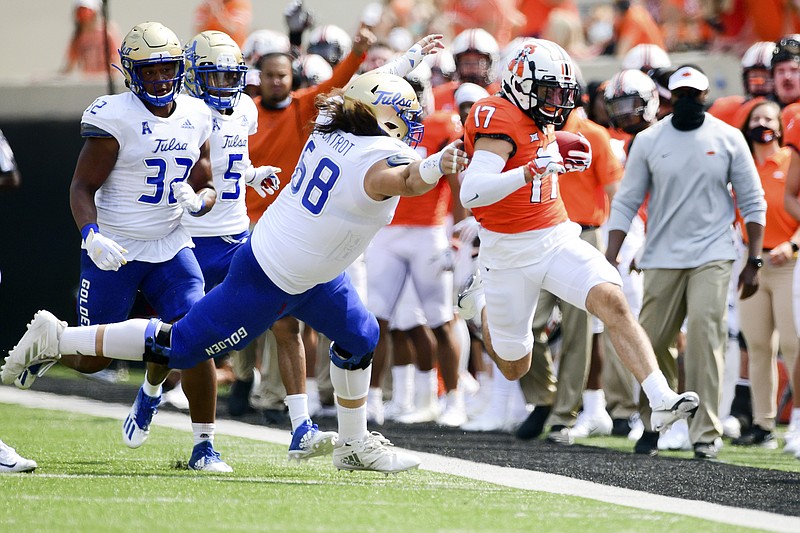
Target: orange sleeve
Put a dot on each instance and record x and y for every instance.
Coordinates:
(726, 107)
(342, 74)
(791, 126)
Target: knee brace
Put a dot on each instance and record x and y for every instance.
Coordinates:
(157, 342)
(347, 361)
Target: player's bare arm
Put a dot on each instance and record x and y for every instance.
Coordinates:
(95, 162)
(390, 177)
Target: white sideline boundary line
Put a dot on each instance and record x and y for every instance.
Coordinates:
(505, 476)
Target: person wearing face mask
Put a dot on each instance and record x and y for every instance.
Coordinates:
(686, 163)
(770, 309)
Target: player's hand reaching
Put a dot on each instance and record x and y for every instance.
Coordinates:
(452, 158)
(263, 179)
(104, 252)
(191, 201)
(297, 17)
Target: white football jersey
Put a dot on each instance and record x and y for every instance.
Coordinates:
(325, 219)
(230, 157)
(135, 205)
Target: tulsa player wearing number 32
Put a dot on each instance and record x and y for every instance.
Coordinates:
(146, 153)
(354, 166)
(527, 242)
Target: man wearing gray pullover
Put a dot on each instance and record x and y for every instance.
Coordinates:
(687, 164)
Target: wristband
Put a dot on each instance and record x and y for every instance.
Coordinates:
(202, 206)
(429, 169)
(87, 228)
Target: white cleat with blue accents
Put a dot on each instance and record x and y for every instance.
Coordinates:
(35, 352)
(136, 427)
(308, 441)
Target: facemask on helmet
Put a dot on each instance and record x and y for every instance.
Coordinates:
(392, 102)
(756, 75)
(152, 62)
(215, 69)
(331, 42)
(475, 52)
(541, 80)
(631, 101)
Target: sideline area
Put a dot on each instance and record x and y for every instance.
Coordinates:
(509, 477)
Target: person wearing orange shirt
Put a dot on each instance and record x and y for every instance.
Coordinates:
(92, 47)
(757, 82)
(586, 196)
(230, 16)
(475, 52)
(499, 17)
(527, 241)
(633, 26)
(770, 309)
(414, 248)
(537, 12)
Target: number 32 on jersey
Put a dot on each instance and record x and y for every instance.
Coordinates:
(324, 175)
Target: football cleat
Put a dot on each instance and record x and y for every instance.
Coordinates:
(586, 425)
(682, 406)
(35, 352)
(136, 427)
(468, 298)
(206, 459)
(11, 461)
(372, 453)
(308, 441)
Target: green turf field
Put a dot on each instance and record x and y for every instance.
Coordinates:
(88, 481)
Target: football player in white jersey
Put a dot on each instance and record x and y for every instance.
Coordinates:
(144, 163)
(215, 71)
(355, 165)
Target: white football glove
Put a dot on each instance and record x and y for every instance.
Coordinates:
(263, 179)
(543, 166)
(104, 252)
(579, 160)
(467, 230)
(189, 200)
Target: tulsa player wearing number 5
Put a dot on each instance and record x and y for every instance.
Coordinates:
(354, 166)
(527, 242)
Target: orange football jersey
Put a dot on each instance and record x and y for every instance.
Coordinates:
(536, 205)
(430, 209)
(791, 125)
(584, 192)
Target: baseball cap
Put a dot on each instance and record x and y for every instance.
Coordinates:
(687, 76)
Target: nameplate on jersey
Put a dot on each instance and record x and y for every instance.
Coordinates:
(397, 160)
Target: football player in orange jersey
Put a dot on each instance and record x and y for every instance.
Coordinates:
(757, 82)
(527, 241)
(475, 52)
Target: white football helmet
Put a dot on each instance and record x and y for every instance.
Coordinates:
(420, 79)
(311, 69)
(264, 42)
(215, 69)
(541, 80)
(331, 42)
(393, 103)
(756, 74)
(443, 66)
(146, 45)
(477, 41)
(631, 100)
(646, 57)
